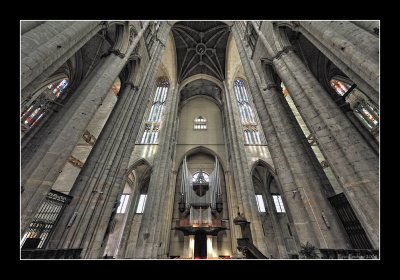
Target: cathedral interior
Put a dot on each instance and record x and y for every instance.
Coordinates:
(199, 140)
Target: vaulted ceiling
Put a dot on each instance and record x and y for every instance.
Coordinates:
(200, 48)
(201, 87)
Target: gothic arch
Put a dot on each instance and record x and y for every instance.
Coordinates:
(121, 36)
(276, 217)
(163, 73)
(199, 77)
(263, 163)
(216, 102)
(201, 149)
(243, 78)
(137, 163)
(130, 73)
(198, 87)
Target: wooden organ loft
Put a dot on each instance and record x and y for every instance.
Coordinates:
(200, 209)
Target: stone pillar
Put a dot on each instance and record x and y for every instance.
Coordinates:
(155, 230)
(297, 168)
(351, 48)
(353, 162)
(372, 26)
(27, 25)
(136, 112)
(40, 173)
(48, 46)
(232, 201)
(104, 174)
(240, 169)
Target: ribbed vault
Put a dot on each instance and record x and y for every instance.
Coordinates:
(200, 48)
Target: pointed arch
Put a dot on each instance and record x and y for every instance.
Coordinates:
(263, 163)
(201, 77)
(201, 149)
(137, 163)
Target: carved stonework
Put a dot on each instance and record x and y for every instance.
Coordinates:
(89, 138)
(75, 162)
(132, 34)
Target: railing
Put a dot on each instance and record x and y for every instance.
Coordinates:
(51, 254)
(351, 224)
(45, 219)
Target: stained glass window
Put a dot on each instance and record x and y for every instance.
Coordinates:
(339, 86)
(39, 107)
(247, 116)
(152, 125)
(365, 112)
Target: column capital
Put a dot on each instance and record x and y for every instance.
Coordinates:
(117, 53)
(285, 50)
(114, 51)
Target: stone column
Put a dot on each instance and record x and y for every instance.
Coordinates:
(104, 174)
(353, 162)
(27, 25)
(232, 201)
(297, 168)
(46, 47)
(240, 170)
(157, 217)
(102, 178)
(39, 174)
(372, 26)
(351, 48)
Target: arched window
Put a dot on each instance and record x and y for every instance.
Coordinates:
(278, 203)
(200, 123)
(141, 204)
(36, 110)
(365, 112)
(123, 202)
(250, 130)
(142, 198)
(152, 125)
(340, 87)
(260, 203)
